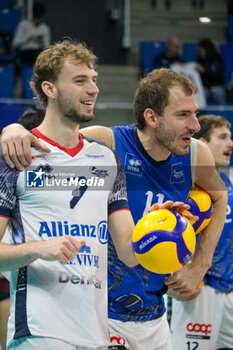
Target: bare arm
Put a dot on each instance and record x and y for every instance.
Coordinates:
(186, 281)
(13, 256)
(99, 133)
(121, 227)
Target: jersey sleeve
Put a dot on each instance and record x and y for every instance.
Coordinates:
(8, 179)
(117, 199)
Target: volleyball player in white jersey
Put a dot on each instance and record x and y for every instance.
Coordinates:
(58, 261)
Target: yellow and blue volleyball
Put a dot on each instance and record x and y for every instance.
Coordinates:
(200, 205)
(163, 241)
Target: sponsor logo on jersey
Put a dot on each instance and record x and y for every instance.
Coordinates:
(99, 172)
(87, 259)
(201, 330)
(94, 155)
(62, 228)
(132, 165)
(65, 277)
(177, 173)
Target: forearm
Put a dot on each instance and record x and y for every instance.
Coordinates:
(15, 256)
(126, 254)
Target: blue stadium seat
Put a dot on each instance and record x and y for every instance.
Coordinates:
(7, 81)
(190, 52)
(148, 51)
(226, 51)
(27, 71)
(10, 113)
(9, 19)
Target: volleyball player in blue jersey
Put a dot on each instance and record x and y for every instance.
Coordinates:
(162, 161)
(206, 323)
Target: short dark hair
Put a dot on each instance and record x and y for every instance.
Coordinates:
(154, 90)
(32, 118)
(38, 10)
(208, 122)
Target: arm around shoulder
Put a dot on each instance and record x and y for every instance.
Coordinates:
(99, 133)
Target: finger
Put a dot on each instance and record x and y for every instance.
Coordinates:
(166, 205)
(13, 149)
(19, 154)
(154, 207)
(27, 156)
(191, 218)
(5, 152)
(180, 207)
(35, 142)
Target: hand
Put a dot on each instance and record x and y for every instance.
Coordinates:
(180, 207)
(182, 297)
(16, 146)
(62, 249)
(185, 283)
(36, 38)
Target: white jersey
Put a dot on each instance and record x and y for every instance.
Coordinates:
(63, 194)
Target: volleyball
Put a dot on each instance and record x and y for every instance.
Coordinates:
(163, 241)
(200, 205)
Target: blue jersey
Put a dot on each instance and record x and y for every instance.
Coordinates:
(136, 294)
(220, 275)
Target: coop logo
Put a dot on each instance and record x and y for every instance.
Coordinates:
(132, 165)
(35, 178)
(199, 328)
(117, 340)
(177, 173)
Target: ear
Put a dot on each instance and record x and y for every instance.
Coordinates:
(49, 89)
(151, 117)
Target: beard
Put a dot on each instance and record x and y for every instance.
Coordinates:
(70, 113)
(167, 139)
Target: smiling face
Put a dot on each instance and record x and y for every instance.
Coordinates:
(221, 145)
(178, 123)
(76, 92)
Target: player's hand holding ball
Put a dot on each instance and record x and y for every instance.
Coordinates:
(164, 240)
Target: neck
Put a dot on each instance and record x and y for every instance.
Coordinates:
(66, 134)
(151, 145)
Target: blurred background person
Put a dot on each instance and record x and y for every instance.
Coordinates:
(32, 36)
(211, 67)
(170, 55)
